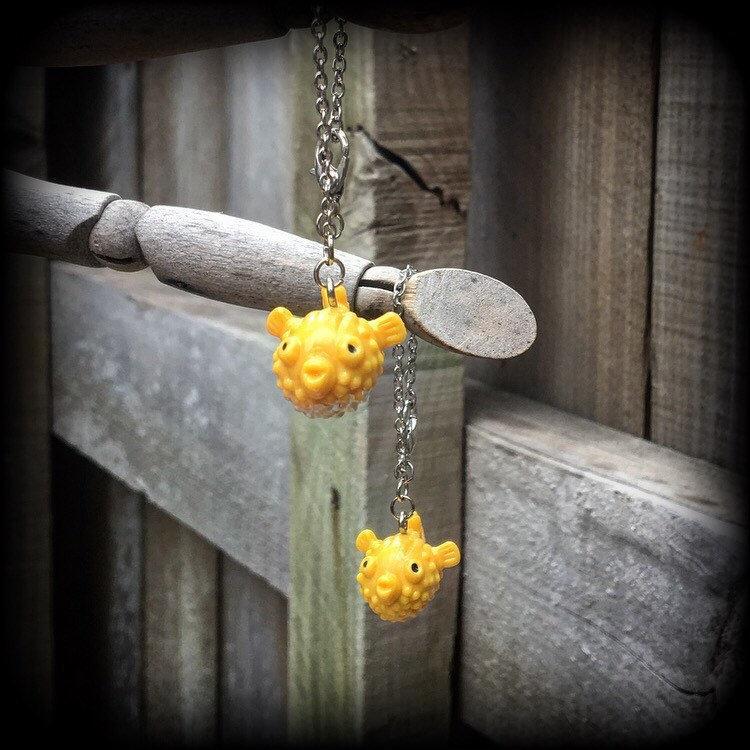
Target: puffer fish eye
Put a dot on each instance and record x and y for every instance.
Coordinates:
(351, 349)
(367, 571)
(289, 350)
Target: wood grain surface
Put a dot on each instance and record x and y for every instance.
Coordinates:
(603, 583)
(98, 595)
(562, 141)
(353, 677)
(699, 349)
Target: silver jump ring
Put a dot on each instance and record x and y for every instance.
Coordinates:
(403, 515)
(331, 293)
(319, 266)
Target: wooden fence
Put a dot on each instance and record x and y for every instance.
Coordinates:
(203, 533)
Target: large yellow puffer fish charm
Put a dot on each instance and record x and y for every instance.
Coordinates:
(400, 574)
(328, 361)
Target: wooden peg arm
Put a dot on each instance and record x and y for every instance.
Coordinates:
(253, 265)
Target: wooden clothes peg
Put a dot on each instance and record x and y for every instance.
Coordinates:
(252, 265)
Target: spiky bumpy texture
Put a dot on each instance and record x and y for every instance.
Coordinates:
(400, 574)
(327, 362)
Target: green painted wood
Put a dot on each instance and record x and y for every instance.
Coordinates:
(353, 677)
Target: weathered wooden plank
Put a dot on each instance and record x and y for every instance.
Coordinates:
(180, 645)
(93, 140)
(253, 659)
(699, 352)
(184, 131)
(253, 670)
(192, 419)
(183, 160)
(98, 594)
(27, 661)
(602, 580)
(343, 685)
(562, 110)
(260, 139)
(92, 127)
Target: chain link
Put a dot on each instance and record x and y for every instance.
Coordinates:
(330, 130)
(405, 406)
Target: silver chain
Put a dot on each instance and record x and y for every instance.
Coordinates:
(405, 406)
(330, 130)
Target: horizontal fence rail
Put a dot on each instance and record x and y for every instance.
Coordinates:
(600, 558)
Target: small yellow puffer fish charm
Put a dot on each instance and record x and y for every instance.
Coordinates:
(328, 361)
(400, 574)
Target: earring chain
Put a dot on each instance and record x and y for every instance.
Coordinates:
(330, 130)
(405, 406)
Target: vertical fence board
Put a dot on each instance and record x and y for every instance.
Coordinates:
(26, 556)
(352, 676)
(260, 139)
(180, 685)
(184, 156)
(561, 193)
(93, 141)
(183, 162)
(97, 524)
(253, 674)
(92, 129)
(259, 187)
(699, 349)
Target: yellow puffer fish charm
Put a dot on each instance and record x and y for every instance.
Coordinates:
(400, 574)
(327, 361)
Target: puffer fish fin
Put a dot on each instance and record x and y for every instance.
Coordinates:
(365, 539)
(277, 321)
(389, 330)
(339, 292)
(415, 524)
(447, 555)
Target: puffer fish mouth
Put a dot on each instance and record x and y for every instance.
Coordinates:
(388, 588)
(318, 374)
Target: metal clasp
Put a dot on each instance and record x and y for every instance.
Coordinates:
(338, 173)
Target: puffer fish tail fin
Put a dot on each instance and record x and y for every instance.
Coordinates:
(339, 292)
(414, 524)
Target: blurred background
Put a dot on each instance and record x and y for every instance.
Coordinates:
(179, 553)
